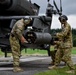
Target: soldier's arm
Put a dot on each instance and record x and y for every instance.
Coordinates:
(18, 33)
(63, 33)
(18, 30)
(23, 40)
(20, 36)
(66, 30)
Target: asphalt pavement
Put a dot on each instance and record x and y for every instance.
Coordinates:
(30, 64)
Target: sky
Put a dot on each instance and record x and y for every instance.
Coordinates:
(69, 9)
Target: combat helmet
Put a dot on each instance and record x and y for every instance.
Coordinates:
(27, 21)
(63, 18)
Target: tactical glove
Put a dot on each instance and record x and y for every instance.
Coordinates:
(23, 40)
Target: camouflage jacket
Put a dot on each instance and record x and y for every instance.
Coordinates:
(18, 28)
(59, 43)
(66, 35)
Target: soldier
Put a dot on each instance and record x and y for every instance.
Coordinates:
(16, 37)
(66, 45)
(57, 45)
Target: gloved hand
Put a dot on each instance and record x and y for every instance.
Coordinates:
(23, 40)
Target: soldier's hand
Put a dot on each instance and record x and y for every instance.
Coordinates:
(23, 40)
(56, 41)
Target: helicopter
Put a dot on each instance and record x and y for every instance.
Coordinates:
(13, 10)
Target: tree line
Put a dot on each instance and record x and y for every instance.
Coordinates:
(73, 34)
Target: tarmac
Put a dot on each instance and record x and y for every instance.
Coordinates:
(30, 64)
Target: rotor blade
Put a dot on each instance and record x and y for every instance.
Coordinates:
(60, 6)
(30, 1)
(48, 0)
(56, 6)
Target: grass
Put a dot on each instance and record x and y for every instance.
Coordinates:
(49, 72)
(59, 71)
(1, 53)
(74, 50)
(28, 52)
(31, 51)
(35, 51)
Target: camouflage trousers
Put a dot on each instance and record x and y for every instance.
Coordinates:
(53, 55)
(15, 47)
(65, 55)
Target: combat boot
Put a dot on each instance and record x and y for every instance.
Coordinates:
(17, 69)
(20, 56)
(53, 67)
(52, 63)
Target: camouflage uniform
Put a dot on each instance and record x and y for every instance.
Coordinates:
(58, 55)
(57, 45)
(53, 54)
(64, 52)
(15, 37)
